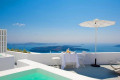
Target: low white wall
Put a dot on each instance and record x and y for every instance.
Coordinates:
(6, 62)
(21, 64)
(107, 57)
(46, 58)
(18, 55)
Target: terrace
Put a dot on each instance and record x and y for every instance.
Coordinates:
(48, 28)
(105, 72)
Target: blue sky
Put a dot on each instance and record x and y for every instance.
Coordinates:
(56, 21)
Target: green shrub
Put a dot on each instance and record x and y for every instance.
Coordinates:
(17, 50)
(20, 50)
(28, 52)
(24, 51)
(12, 49)
(8, 49)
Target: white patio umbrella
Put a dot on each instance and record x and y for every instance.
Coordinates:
(95, 24)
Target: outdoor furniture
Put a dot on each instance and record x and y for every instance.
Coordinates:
(116, 69)
(69, 59)
(96, 24)
(56, 59)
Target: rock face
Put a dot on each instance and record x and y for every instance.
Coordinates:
(57, 49)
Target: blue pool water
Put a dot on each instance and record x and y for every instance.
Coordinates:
(33, 74)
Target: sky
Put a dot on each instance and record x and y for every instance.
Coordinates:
(56, 21)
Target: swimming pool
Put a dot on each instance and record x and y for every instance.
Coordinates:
(33, 74)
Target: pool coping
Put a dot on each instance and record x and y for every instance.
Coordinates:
(33, 65)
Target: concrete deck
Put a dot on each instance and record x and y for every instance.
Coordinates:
(105, 72)
(25, 64)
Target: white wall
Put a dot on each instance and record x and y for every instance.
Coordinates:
(21, 64)
(6, 62)
(107, 57)
(46, 58)
(18, 55)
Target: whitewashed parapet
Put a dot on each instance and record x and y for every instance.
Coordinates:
(18, 55)
(46, 58)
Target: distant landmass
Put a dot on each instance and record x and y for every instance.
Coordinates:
(31, 43)
(57, 49)
(117, 45)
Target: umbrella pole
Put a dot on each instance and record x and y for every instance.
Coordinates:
(95, 40)
(96, 29)
(95, 65)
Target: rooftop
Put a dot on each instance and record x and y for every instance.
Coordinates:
(105, 72)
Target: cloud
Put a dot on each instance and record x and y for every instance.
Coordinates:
(18, 24)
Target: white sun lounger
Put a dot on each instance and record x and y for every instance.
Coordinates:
(116, 69)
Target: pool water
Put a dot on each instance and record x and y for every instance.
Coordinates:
(34, 74)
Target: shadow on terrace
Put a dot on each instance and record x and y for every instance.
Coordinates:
(95, 72)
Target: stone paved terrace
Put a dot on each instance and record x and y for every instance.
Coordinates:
(105, 72)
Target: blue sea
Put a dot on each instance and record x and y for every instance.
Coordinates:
(100, 47)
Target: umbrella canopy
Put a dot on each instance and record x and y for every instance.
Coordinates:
(96, 23)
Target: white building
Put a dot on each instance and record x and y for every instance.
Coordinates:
(3, 40)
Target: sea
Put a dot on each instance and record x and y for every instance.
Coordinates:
(90, 47)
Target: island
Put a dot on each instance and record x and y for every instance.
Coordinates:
(57, 49)
(117, 45)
